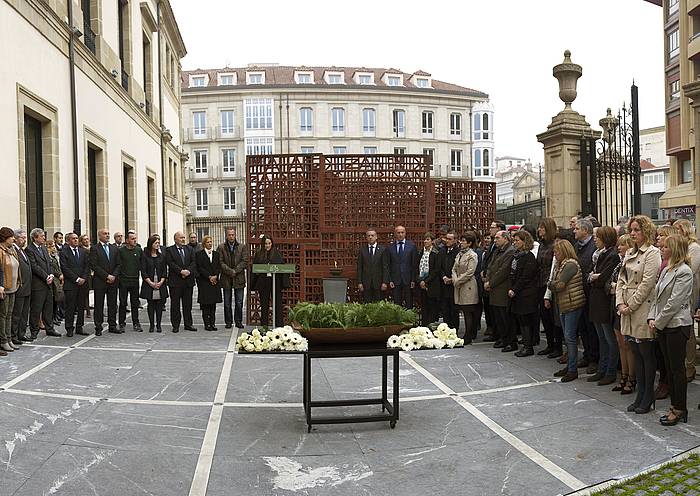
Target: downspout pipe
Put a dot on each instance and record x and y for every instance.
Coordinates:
(164, 239)
(77, 228)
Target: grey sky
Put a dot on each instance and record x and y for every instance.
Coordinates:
(505, 48)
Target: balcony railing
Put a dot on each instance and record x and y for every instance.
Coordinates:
(89, 37)
(198, 133)
(224, 133)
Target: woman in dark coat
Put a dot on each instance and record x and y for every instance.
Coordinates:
(523, 290)
(262, 283)
(547, 233)
(599, 305)
(208, 287)
(153, 288)
(429, 280)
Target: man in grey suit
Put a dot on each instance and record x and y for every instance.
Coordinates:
(372, 269)
(497, 284)
(20, 312)
(42, 285)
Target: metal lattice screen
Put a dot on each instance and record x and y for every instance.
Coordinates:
(317, 209)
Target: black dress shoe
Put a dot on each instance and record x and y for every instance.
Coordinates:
(545, 351)
(98, 332)
(509, 348)
(138, 328)
(499, 344)
(489, 339)
(595, 377)
(53, 333)
(555, 354)
(229, 326)
(159, 329)
(81, 332)
(175, 330)
(69, 333)
(191, 328)
(17, 342)
(151, 329)
(33, 335)
(208, 328)
(26, 339)
(114, 330)
(525, 352)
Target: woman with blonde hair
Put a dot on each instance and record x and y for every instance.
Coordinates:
(685, 229)
(636, 281)
(567, 285)
(661, 391)
(209, 289)
(628, 379)
(670, 318)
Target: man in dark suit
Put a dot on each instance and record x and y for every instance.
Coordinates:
(181, 274)
(42, 285)
(488, 256)
(403, 268)
(497, 284)
(104, 262)
(76, 270)
(372, 269)
(20, 312)
(234, 264)
(447, 259)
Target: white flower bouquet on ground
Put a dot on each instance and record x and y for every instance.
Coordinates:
(423, 338)
(278, 339)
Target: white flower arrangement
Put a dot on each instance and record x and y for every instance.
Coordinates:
(422, 337)
(278, 339)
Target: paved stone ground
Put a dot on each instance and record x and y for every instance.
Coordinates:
(177, 414)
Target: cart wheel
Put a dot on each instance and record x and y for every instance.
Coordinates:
(392, 424)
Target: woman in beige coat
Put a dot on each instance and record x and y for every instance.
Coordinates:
(466, 290)
(633, 294)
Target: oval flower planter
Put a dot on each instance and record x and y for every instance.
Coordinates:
(354, 335)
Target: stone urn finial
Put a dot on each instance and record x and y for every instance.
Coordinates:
(567, 73)
(609, 123)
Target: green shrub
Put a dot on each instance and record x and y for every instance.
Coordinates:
(346, 315)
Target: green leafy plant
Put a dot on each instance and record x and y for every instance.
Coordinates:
(347, 315)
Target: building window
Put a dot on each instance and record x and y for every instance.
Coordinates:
(393, 80)
(485, 126)
(675, 89)
(477, 163)
(202, 196)
(430, 152)
(199, 123)
(364, 79)
(338, 119)
(456, 160)
(477, 127)
(399, 123)
(455, 124)
(226, 80)
(227, 122)
(258, 146)
(229, 199)
(368, 121)
(255, 77)
(686, 171)
(307, 150)
(487, 163)
(228, 160)
(427, 122)
(304, 78)
(673, 44)
(335, 79)
(200, 161)
(422, 83)
(202, 231)
(370, 150)
(198, 81)
(339, 150)
(400, 151)
(306, 120)
(258, 113)
(672, 7)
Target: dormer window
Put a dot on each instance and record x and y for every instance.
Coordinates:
(255, 77)
(365, 79)
(335, 78)
(393, 80)
(422, 83)
(227, 79)
(304, 77)
(198, 81)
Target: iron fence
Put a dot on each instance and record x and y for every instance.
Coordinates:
(216, 228)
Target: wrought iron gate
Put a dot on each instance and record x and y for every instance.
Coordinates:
(610, 171)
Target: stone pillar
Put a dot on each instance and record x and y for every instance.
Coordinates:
(562, 144)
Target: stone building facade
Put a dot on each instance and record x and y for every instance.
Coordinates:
(263, 109)
(114, 150)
